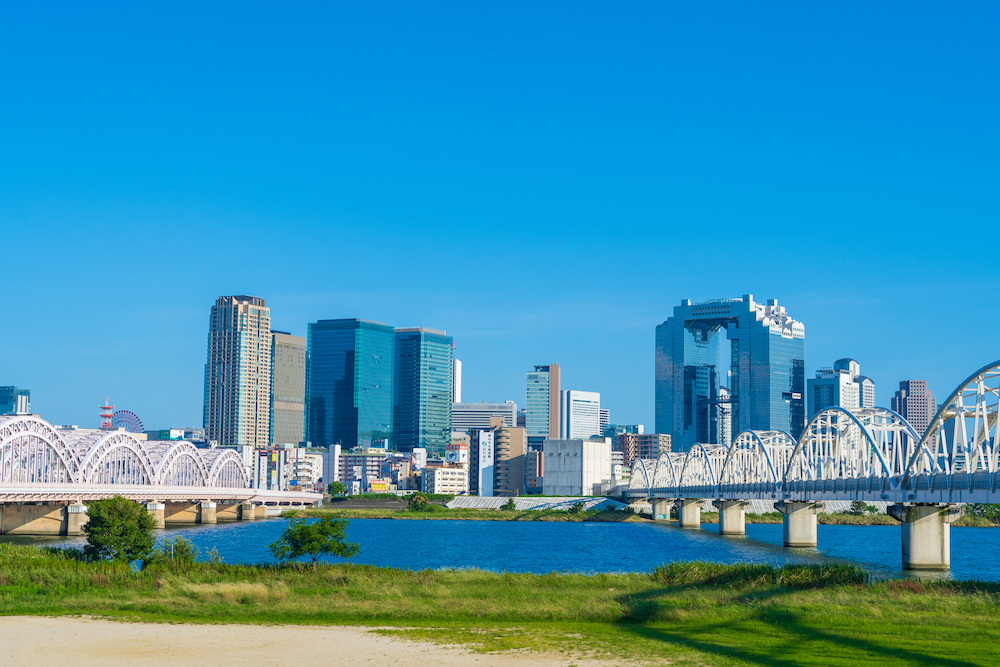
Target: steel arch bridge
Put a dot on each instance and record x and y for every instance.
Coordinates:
(870, 455)
(39, 462)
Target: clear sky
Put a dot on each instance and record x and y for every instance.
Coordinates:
(545, 181)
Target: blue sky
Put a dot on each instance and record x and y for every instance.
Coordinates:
(545, 181)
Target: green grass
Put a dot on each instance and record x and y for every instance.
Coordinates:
(682, 613)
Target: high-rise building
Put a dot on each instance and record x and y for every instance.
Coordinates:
(915, 403)
(14, 401)
(841, 385)
(580, 414)
(349, 374)
(422, 390)
(541, 405)
(497, 460)
(605, 420)
(456, 386)
(237, 409)
(468, 416)
(288, 388)
(725, 416)
(766, 364)
(614, 430)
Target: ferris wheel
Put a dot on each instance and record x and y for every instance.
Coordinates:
(128, 420)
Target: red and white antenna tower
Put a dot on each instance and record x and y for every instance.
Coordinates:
(107, 411)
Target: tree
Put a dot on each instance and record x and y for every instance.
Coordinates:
(417, 502)
(508, 506)
(577, 508)
(118, 529)
(335, 488)
(303, 537)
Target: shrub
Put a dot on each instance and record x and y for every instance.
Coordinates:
(508, 506)
(577, 508)
(118, 529)
(176, 554)
(417, 502)
(335, 488)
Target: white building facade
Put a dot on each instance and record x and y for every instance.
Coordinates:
(576, 467)
(842, 385)
(471, 416)
(580, 414)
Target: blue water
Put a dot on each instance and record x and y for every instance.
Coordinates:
(541, 547)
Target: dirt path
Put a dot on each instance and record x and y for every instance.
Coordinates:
(81, 642)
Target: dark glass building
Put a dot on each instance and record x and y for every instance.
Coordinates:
(349, 373)
(422, 390)
(767, 366)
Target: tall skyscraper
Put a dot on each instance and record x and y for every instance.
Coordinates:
(469, 416)
(237, 409)
(580, 414)
(422, 390)
(766, 363)
(915, 403)
(725, 417)
(605, 420)
(842, 385)
(349, 373)
(14, 401)
(541, 405)
(456, 391)
(288, 388)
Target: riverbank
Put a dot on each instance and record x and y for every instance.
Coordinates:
(608, 515)
(699, 613)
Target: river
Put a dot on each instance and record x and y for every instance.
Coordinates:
(541, 547)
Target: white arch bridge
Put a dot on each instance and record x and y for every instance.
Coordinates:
(866, 455)
(48, 473)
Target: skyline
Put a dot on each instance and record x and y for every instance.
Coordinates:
(544, 184)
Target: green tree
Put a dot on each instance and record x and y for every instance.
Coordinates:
(508, 506)
(118, 529)
(577, 508)
(417, 502)
(305, 537)
(335, 488)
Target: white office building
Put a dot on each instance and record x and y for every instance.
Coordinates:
(842, 385)
(454, 481)
(473, 416)
(576, 467)
(456, 382)
(580, 414)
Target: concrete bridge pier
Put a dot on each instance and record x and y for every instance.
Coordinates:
(247, 512)
(206, 513)
(159, 513)
(690, 512)
(926, 532)
(800, 522)
(76, 516)
(661, 508)
(732, 516)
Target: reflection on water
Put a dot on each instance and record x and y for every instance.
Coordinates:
(539, 546)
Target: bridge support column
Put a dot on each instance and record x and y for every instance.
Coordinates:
(76, 516)
(926, 532)
(732, 516)
(159, 513)
(800, 522)
(661, 508)
(247, 512)
(690, 512)
(206, 512)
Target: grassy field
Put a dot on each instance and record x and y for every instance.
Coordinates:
(688, 613)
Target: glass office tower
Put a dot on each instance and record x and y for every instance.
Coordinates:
(349, 369)
(422, 390)
(766, 365)
(542, 402)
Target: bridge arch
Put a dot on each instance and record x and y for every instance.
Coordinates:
(755, 463)
(698, 478)
(181, 464)
(841, 450)
(226, 469)
(32, 451)
(666, 475)
(639, 480)
(963, 438)
(117, 458)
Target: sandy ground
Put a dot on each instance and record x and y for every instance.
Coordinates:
(82, 642)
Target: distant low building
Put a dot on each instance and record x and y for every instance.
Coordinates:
(454, 481)
(641, 446)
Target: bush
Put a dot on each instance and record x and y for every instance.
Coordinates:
(754, 575)
(335, 488)
(176, 554)
(313, 538)
(118, 529)
(417, 502)
(577, 508)
(508, 506)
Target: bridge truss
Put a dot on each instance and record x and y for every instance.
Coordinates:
(869, 455)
